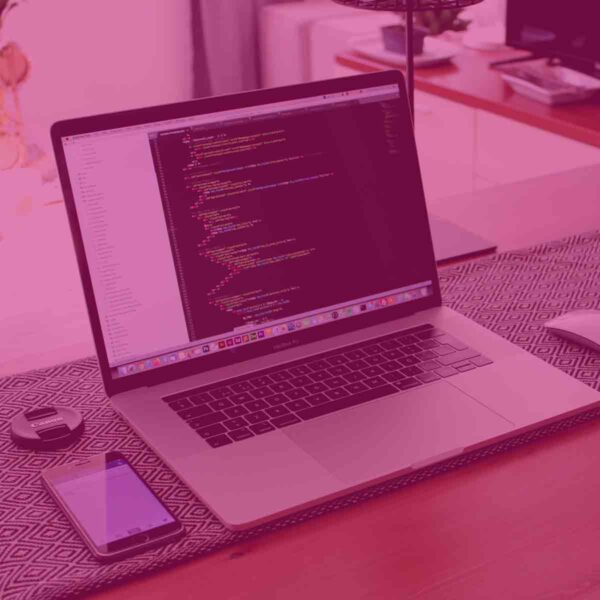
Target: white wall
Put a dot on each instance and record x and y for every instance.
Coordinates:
(489, 12)
(91, 56)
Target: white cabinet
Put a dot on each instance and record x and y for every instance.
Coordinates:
(445, 134)
(508, 151)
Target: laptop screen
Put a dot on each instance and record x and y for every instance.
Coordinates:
(207, 233)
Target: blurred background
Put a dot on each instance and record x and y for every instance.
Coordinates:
(475, 128)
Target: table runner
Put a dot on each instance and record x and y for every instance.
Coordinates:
(41, 557)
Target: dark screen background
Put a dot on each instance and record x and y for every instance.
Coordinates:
(547, 28)
(275, 217)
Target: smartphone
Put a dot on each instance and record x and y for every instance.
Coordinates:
(111, 507)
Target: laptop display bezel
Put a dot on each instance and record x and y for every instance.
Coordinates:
(191, 108)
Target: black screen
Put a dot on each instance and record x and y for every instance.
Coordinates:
(566, 30)
(277, 216)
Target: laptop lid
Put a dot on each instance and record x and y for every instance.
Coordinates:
(213, 231)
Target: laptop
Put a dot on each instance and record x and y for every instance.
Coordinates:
(263, 294)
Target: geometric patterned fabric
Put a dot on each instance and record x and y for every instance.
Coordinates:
(42, 558)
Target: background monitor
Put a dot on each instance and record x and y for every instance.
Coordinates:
(564, 30)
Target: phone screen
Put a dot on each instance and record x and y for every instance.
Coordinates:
(110, 501)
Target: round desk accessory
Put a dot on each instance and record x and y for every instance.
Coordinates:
(47, 428)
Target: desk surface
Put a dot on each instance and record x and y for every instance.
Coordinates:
(520, 525)
(469, 80)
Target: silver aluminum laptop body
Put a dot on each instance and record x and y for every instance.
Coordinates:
(267, 476)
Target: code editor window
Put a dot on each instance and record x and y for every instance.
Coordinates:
(274, 217)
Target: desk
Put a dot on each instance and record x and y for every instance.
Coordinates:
(520, 525)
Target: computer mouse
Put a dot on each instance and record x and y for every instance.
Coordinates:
(579, 326)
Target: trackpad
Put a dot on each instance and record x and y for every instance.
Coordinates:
(384, 436)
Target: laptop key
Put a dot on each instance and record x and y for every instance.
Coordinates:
(411, 349)
(257, 417)
(335, 382)
(373, 371)
(317, 399)
(463, 367)
(391, 365)
(242, 386)
(296, 394)
(300, 370)
(393, 354)
(355, 388)
(220, 404)
(277, 411)
(280, 376)
(181, 404)
(426, 355)
(235, 411)
(177, 396)
(443, 350)
(389, 344)
(318, 365)
(339, 370)
(198, 399)
(428, 344)
(430, 333)
(315, 388)
(197, 411)
(262, 392)
(339, 359)
(374, 382)
(411, 371)
(282, 386)
(235, 423)
(276, 400)
(350, 400)
(241, 398)
(300, 381)
(373, 349)
(285, 421)
(451, 341)
(207, 420)
(481, 361)
(336, 393)
(446, 371)
(407, 340)
(428, 377)
(408, 361)
(354, 377)
(355, 365)
(263, 427)
(457, 357)
(408, 383)
(429, 365)
(375, 359)
(393, 376)
(320, 375)
(221, 393)
(240, 434)
(218, 441)
(296, 405)
(260, 382)
(211, 430)
(256, 405)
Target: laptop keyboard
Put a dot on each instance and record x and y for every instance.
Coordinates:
(243, 407)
